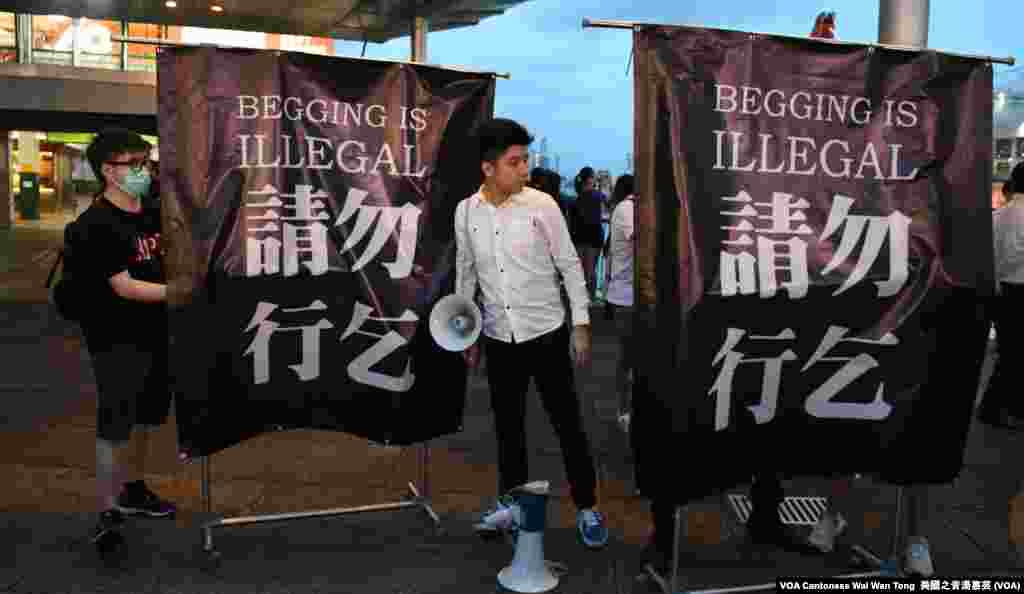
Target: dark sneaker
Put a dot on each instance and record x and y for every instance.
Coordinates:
(140, 501)
(106, 535)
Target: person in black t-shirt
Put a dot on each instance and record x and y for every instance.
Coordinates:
(120, 264)
(589, 225)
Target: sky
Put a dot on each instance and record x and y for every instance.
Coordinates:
(570, 85)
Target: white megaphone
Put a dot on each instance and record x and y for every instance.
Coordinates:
(529, 572)
(455, 323)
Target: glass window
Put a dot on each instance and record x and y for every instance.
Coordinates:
(53, 42)
(96, 49)
(8, 38)
(143, 56)
(52, 39)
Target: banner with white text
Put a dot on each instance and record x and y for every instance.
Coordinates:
(308, 205)
(815, 245)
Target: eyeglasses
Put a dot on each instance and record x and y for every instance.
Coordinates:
(134, 165)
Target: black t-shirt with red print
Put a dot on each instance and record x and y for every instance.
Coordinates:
(108, 241)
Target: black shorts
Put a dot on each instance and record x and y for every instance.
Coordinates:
(133, 388)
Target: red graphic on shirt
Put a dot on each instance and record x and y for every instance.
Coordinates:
(147, 247)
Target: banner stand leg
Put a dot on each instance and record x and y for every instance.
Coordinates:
(423, 498)
(677, 538)
(416, 498)
(898, 536)
(205, 484)
(880, 567)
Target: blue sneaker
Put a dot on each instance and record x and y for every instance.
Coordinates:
(591, 528)
(503, 517)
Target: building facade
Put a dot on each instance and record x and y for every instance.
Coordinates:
(66, 78)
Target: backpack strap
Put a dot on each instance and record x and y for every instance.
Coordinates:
(62, 253)
(53, 269)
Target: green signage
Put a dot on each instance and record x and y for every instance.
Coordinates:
(70, 137)
(85, 137)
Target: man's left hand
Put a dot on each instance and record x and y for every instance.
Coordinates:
(581, 345)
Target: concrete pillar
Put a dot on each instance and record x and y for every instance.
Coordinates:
(124, 46)
(903, 22)
(420, 27)
(23, 27)
(6, 198)
(76, 48)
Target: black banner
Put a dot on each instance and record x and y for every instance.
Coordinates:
(816, 239)
(308, 205)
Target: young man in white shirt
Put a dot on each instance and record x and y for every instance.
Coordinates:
(512, 243)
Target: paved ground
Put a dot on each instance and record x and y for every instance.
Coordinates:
(47, 447)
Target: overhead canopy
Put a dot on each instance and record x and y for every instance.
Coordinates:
(356, 20)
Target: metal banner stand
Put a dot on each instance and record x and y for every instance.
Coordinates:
(903, 26)
(882, 568)
(416, 498)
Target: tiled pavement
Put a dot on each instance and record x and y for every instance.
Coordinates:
(47, 447)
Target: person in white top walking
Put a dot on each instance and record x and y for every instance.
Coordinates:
(619, 285)
(512, 244)
(1002, 405)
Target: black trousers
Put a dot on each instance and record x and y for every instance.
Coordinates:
(1003, 393)
(546, 360)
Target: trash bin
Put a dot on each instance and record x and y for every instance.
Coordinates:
(28, 196)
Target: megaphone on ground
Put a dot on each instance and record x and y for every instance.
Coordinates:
(455, 323)
(529, 572)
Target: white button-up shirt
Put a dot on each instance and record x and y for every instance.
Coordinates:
(1008, 232)
(514, 254)
(620, 255)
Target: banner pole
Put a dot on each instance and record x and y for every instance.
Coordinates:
(205, 483)
(601, 24)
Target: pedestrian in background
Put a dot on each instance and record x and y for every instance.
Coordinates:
(589, 209)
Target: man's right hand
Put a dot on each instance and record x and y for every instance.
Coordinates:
(472, 356)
